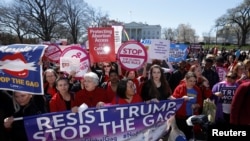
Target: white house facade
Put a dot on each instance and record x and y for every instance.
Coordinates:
(138, 31)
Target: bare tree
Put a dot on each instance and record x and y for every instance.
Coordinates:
(170, 34)
(207, 36)
(239, 16)
(236, 32)
(97, 18)
(42, 16)
(186, 33)
(75, 17)
(12, 21)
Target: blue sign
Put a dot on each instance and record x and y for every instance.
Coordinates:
(178, 52)
(20, 69)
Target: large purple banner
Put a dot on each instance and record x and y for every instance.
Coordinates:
(121, 122)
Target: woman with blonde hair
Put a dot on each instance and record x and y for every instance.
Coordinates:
(192, 95)
(201, 81)
(25, 104)
(240, 70)
(247, 65)
(223, 94)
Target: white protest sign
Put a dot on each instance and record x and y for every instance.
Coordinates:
(132, 55)
(159, 49)
(76, 52)
(53, 52)
(68, 64)
(118, 36)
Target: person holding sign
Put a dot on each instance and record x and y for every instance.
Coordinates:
(6, 110)
(192, 95)
(64, 99)
(223, 95)
(106, 68)
(133, 75)
(111, 85)
(91, 94)
(25, 104)
(156, 88)
(126, 93)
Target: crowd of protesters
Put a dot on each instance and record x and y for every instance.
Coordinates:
(222, 77)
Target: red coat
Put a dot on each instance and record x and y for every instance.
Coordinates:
(240, 111)
(57, 103)
(179, 92)
(136, 98)
(91, 98)
(49, 90)
(110, 93)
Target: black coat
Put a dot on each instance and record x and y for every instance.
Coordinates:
(36, 106)
(6, 110)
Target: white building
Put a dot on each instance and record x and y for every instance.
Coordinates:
(138, 31)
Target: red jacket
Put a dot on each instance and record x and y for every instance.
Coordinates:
(110, 93)
(206, 92)
(49, 90)
(57, 103)
(91, 98)
(179, 92)
(240, 111)
(136, 98)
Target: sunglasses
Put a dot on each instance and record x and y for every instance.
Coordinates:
(106, 66)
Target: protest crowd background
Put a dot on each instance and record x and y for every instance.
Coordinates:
(51, 79)
(211, 75)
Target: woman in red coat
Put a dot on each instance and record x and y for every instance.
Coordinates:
(192, 102)
(91, 94)
(240, 111)
(63, 100)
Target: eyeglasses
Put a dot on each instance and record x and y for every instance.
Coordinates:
(232, 77)
(106, 66)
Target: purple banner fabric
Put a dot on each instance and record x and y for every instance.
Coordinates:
(120, 122)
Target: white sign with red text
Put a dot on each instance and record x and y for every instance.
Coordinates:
(76, 52)
(132, 55)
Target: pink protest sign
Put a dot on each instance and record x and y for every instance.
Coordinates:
(132, 55)
(53, 53)
(70, 55)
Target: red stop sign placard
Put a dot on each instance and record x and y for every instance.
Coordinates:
(132, 55)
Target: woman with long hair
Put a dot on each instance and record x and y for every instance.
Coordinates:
(156, 88)
(126, 93)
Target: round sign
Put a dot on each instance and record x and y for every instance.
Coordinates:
(76, 52)
(53, 53)
(132, 55)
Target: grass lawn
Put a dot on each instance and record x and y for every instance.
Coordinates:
(227, 47)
